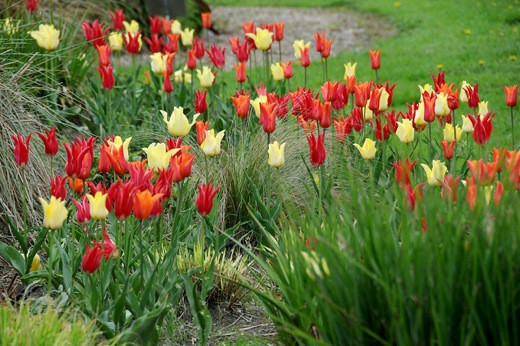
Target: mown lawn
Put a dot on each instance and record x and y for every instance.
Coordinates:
(476, 41)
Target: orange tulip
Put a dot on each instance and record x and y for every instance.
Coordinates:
(375, 59)
(144, 202)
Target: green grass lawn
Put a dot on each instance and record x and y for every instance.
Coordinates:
(474, 41)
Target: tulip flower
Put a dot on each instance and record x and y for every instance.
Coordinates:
(211, 144)
(54, 212)
(304, 57)
(276, 155)
(118, 17)
(448, 148)
(240, 72)
(154, 43)
(104, 52)
(158, 157)
(449, 133)
(98, 209)
(368, 150)
(450, 187)
(94, 33)
(482, 128)
(278, 31)
(472, 95)
(403, 171)
(21, 149)
(327, 45)
(191, 62)
(429, 101)
(375, 60)
(483, 173)
(350, 70)
(92, 258)
(132, 27)
(343, 128)
(317, 149)
(172, 45)
(453, 100)
(256, 104)
(176, 27)
(123, 199)
(47, 37)
(268, 116)
(200, 102)
(329, 91)
(132, 42)
(263, 38)
(277, 71)
(156, 25)
(405, 131)
(467, 125)
(217, 55)
(180, 166)
(109, 248)
(287, 69)
(206, 20)
(511, 95)
(204, 201)
(143, 202)
(435, 174)
(178, 124)
(36, 264)
(58, 187)
(31, 5)
(201, 128)
(241, 102)
(76, 185)
(243, 50)
(107, 77)
(298, 45)
(115, 40)
(206, 77)
(187, 37)
(498, 193)
(83, 210)
(441, 105)
(362, 93)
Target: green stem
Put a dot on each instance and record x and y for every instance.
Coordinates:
(280, 50)
(430, 135)
(305, 77)
(513, 128)
(206, 168)
(142, 252)
(179, 203)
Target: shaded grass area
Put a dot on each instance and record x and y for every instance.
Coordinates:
(476, 41)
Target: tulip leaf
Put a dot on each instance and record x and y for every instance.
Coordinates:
(37, 245)
(66, 267)
(13, 257)
(199, 311)
(311, 175)
(143, 330)
(19, 236)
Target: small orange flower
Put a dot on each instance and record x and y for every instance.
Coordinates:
(143, 203)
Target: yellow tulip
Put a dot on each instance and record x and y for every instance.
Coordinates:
(206, 77)
(483, 108)
(297, 45)
(350, 70)
(158, 62)
(276, 155)
(176, 27)
(11, 26)
(256, 104)
(383, 100)
(405, 131)
(98, 205)
(158, 157)
(467, 125)
(187, 37)
(211, 145)
(36, 263)
(435, 175)
(118, 142)
(54, 212)
(487, 193)
(132, 27)
(277, 71)
(178, 125)
(47, 37)
(441, 105)
(426, 87)
(368, 112)
(368, 150)
(115, 40)
(463, 96)
(182, 77)
(263, 38)
(448, 133)
(419, 115)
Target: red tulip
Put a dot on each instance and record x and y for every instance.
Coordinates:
(204, 201)
(472, 94)
(109, 248)
(117, 159)
(198, 47)
(450, 187)
(156, 25)
(482, 127)
(320, 38)
(268, 116)
(50, 141)
(249, 28)
(174, 144)
(83, 210)
(123, 199)
(79, 157)
(94, 32)
(471, 194)
(217, 56)
(58, 187)
(381, 132)
(104, 52)
(200, 101)
(325, 120)
(287, 69)
(281, 103)
(413, 195)
(167, 83)
(21, 149)
(92, 258)
(357, 119)
(31, 5)
(143, 203)
(181, 166)
(483, 172)
(206, 20)
(453, 100)
(391, 120)
(429, 106)
(448, 149)
(172, 45)
(305, 60)
(329, 91)
(362, 93)
(375, 97)
(241, 101)
(317, 149)
(107, 77)
(511, 95)
(327, 45)
(351, 84)
(131, 42)
(104, 162)
(497, 196)
(278, 31)
(243, 50)
(403, 171)
(118, 17)
(154, 43)
(240, 72)
(234, 42)
(375, 59)
(343, 128)
(191, 63)
(201, 127)
(166, 25)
